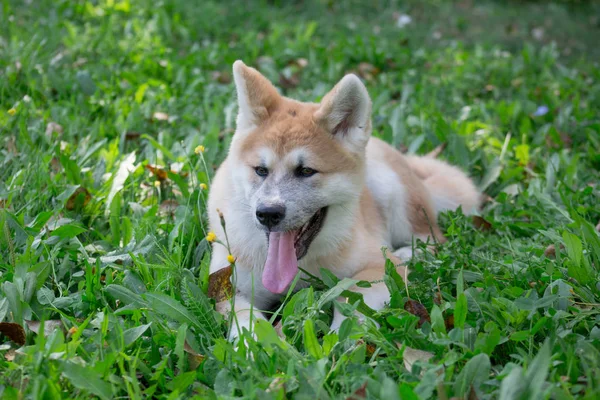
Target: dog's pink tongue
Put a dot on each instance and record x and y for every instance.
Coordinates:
(282, 264)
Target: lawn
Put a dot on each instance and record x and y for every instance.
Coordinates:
(104, 284)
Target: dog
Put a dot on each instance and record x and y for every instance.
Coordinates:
(304, 185)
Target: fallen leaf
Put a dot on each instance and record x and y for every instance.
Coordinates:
(279, 329)
(52, 128)
(160, 116)
(418, 309)
(194, 358)
(223, 77)
(437, 298)
(411, 356)
(219, 284)
(289, 82)
(49, 326)
(55, 164)
(565, 141)
(367, 71)
(370, 349)
(159, 172)
(79, 199)
(132, 135)
(360, 393)
(13, 331)
(485, 199)
(481, 223)
(550, 251)
(10, 354)
(168, 207)
(449, 322)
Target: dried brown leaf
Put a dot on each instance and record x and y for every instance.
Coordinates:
(53, 128)
(79, 199)
(370, 349)
(55, 164)
(449, 322)
(168, 206)
(13, 331)
(360, 393)
(550, 251)
(481, 223)
(132, 135)
(194, 358)
(10, 355)
(159, 172)
(289, 82)
(437, 298)
(279, 329)
(418, 309)
(223, 77)
(367, 71)
(219, 284)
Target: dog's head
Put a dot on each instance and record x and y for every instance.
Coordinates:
(293, 161)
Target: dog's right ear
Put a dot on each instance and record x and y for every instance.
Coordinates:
(345, 112)
(257, 97)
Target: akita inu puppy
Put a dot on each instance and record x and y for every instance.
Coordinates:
(305, 186)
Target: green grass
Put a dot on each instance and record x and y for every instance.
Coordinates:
(92, 238)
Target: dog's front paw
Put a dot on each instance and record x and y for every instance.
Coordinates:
(406, 253)
(338, 318)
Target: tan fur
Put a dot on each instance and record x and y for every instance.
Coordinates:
(376, 196)
(284, 131)
(421, 213)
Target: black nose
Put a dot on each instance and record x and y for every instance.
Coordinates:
(270, 216)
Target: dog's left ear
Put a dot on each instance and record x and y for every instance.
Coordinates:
(345, 112)
(257, 97)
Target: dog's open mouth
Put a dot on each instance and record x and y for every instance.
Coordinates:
(309, 232)
(285, 249)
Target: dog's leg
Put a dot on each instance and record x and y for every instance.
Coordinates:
(244, 317)
(375, 296)
(245, 314)
(405, 253)
(448, 186)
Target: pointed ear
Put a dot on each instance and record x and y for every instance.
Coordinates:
(345, 112)
(257, 97)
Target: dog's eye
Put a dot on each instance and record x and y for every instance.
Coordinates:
(261, 171)
(305, 172)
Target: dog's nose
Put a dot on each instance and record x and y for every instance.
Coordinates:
(270, 216)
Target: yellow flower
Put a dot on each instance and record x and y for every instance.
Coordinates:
(12, 112)
(203, 186)
(211, 237)
(73, 330)
(230, 259)
(199, 149)
(157, 184)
